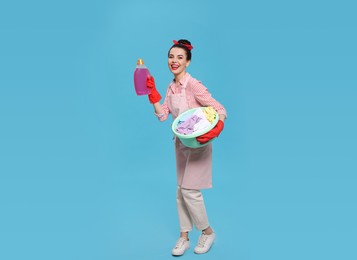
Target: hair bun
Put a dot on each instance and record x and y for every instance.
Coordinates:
(183, 41)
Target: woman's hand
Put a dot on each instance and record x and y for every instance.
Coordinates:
(214, 132)
(154, 96)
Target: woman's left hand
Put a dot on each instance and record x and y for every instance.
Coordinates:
(214, 132)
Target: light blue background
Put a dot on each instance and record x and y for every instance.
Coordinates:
(87, 172)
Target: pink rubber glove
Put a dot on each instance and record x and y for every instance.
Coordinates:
(154, 96)
(214, 132)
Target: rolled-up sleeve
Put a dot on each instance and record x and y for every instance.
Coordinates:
(204, 97)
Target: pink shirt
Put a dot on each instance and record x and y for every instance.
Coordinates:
(197, 95)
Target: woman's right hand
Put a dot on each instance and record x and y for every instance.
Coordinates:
(154, 96)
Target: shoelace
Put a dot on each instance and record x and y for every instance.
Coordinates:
(180, 243)
(202, 240)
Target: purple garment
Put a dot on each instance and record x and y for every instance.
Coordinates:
(187, 126)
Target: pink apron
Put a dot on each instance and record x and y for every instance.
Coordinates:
(193, 165)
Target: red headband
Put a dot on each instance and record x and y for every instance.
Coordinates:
(189, 46)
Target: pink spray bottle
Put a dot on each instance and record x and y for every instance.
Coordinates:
(141, 74)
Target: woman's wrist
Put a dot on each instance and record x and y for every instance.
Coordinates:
(222, 117)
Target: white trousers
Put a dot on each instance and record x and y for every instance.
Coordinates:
(191, 209)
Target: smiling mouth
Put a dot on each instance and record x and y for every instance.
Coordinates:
(174, 67)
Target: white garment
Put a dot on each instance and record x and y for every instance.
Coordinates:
(201, 124)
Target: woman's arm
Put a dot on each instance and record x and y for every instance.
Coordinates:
(158, 108)
(222, 117)
(204, 97)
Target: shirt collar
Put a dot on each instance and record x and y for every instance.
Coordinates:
(183, 80)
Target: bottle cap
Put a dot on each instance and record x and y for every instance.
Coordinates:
(140, 62)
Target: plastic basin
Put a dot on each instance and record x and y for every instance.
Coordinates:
(190, 139)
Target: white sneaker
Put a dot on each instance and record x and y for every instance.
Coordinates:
(181, 246)
(204, 243)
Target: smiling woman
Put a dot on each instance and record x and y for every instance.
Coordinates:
(180, 58)
(193, 165)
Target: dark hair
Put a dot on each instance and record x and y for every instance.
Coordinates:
(183, 45)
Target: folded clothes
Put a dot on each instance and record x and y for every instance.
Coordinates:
(210, 113)
(198, 121)
(187, 127)
(203, 123)
(183, 119)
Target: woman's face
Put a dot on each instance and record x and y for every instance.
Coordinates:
(178, 61)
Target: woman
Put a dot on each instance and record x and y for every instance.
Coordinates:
(193, 165)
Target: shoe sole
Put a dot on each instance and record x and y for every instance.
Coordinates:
(200, 253)
(180, 254)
